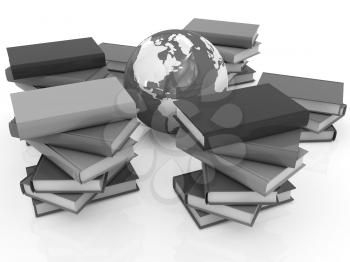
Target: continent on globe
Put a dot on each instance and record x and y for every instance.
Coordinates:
(169, 65)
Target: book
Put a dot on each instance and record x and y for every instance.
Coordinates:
(315, 95)
(236, 54)
(279, 149)
(237, 67)
(239, 115)
(64, 108)
(49, 178)
(223, 190)
(260, 177)
(82, 166)
(122, 182)
(246, 76)
(319, 122)
(102, 140)
(326, 135)
(225, 33)
(117, 56)
(55, 57)
(191, 185)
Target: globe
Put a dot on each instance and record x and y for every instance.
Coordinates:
(169, 65)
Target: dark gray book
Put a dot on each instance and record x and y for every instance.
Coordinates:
(221, 189)
(319, 122)
(246, 76)
(123, 183)
(225, 33)
(117, 56)
(102, 140)
(195, 197)
(64, 108)
(239, 115)
(326, 135)
(236, 54)
(280, 149)
(237, 67)
(260, 177)
(315, 95)
(49, 178)
(82, 166)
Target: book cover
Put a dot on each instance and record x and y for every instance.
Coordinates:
(237, 67)
(221, 189)
(117, 53)
(260, 177)
(63, 108)
(326, 135)
(55, 57)
(102, 140)
(246, 76)
(235, 54)
(240, 115)
(225, 33)
(319, 122)
(315, 95)
(82, 166)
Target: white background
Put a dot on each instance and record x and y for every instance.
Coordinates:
(305, 38)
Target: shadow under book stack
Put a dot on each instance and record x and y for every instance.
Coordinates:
(236, 42)
(83, 131)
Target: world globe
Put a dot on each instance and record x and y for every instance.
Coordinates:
(169, 65)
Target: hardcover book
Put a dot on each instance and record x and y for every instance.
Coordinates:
(236, 68)
(64, 108)
(260, 177)
(326, 135)
(122, 183)
(55, 57)
(239, 115)
(319, 122)
(221, 189)
(236, 54)
(117, 56)
(315, 95)
(225, 33)
(49, 178)
(102, 140)
(81, 166)
(246, 76)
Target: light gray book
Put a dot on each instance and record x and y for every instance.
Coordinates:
(246, 76)
(315, 95)
(236, 68)
(124, 182)
(319, 122)
(236, 54)
(64, 108)
(225, 33)
(102, 140)
(82, 166)
(260, 177)
(223, 190)
(326, 135)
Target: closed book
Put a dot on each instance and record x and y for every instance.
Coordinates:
(102, 140)
(82, 166)
(195, 197)
(123, 183)
(49, 178)
(221, 189)
(55, 57)
(260, 177)
(225, 33)
(315, 95)
(236, 54)
(319, 122)
(280, 149)
(239, 115)
(64, 108)
(117, 56)
(237, 67)
(246, 76)
(326, 135)
(202, 219)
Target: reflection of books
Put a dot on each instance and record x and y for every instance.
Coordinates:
(123, 183)
(326, 135)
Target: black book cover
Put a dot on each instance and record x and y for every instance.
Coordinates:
(240, 115)
(55, 57)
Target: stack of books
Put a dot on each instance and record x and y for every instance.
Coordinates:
(323, 99)
(248, 142)
(236, 42)
(83, 131)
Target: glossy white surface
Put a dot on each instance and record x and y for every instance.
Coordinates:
(298, 38)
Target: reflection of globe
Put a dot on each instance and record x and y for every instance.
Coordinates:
(169, 65)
